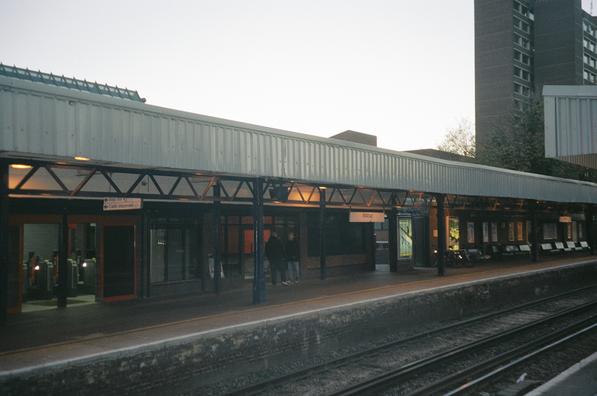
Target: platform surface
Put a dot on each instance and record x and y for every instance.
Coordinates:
(37, 339)
(578, 380)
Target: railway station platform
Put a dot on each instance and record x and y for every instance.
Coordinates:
(41, 340)
(43, 337)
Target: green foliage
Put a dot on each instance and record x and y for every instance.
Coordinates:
(519, 145)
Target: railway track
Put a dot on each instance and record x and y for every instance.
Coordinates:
(401, 366)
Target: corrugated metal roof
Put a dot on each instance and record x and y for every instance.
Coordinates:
(69, 82)
(571, 123)
(51, 122)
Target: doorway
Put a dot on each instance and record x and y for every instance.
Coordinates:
(100, 262)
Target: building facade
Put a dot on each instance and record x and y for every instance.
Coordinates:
(104, 197)
(522, 45)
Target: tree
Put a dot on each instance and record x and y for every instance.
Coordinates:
(460, 140)
(519, 145)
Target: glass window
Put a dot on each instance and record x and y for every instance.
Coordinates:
(158, 255)
(519, 231)
(342, 237)
(569, 231)
(470, 232)
(174, 253)
(511, 232)
(550, 231)
(494, 232)
(485, 232)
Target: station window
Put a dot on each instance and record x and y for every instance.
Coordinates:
(511, 232)
(550, 231)
(174, 253)
(569, 231)
(341, 236)
(485, 232)
(580, 231)
(470, 232)
(494, 232)
(519, 231)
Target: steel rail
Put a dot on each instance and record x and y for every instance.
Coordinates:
(383, 381)
(492, 368)
(264, 385)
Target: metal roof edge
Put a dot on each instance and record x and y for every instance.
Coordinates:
(570, 90)
(66, 93)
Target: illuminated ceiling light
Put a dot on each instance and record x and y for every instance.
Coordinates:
(79, 158)
(322, 187)
(20, 166)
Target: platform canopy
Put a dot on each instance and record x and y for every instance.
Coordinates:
(53, 123)
(571, 123)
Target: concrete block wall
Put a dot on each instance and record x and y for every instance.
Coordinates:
(213, 356)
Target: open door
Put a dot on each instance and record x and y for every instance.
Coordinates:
(119, 261)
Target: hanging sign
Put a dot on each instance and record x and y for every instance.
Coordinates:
(122, 204)
(565, 219)
(367, 217)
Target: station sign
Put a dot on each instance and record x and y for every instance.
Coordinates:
(111, 204)
(565, 219)
(367, 217)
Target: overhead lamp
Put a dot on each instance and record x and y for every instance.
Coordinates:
(80, 158)
(279, 193)
(20, 166)
(322, 187)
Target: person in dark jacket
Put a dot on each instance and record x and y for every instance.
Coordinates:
(292, 254)
(274, 250)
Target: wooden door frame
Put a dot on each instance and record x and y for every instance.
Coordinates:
(102, 220)
(132, 221)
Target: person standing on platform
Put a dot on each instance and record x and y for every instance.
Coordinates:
(292, 253)
(274, 250)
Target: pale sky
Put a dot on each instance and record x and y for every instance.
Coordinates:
(400, 69)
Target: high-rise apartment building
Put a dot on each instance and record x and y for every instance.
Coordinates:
(520, 45)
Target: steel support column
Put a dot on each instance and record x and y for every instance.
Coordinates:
(441, 235)
(259, 291)
(62, 287)
(393, 236)
(322, 252)
(589, 213)
(145, 274)
(4, 259)
(217, 230)
(534, 232)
